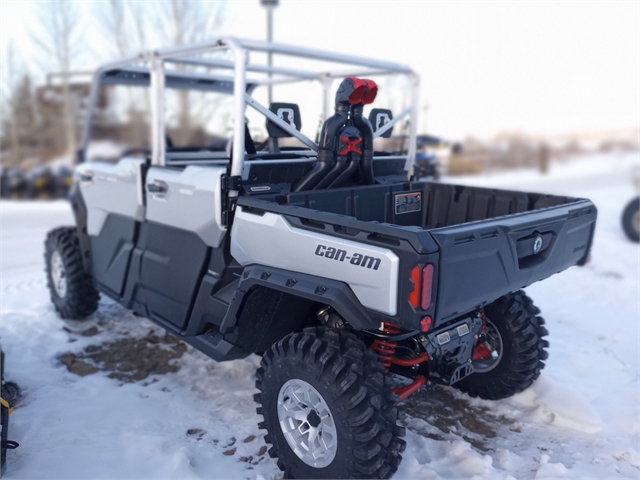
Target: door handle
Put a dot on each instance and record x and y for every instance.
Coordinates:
(157, 188)
(86, 177)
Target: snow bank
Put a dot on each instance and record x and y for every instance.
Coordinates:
(559, 405)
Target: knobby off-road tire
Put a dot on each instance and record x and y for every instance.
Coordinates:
(72, 291)
(348, 379)
(631, 220)
(522, 354)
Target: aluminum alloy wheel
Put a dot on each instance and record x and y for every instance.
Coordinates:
(58, 274)
(635, 220)
(307, 423)
(494, 339)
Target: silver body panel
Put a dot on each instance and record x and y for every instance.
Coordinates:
(111, 188)
(191, 200)
(270, 240)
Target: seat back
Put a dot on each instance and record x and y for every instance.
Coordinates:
(288, 112)
(379, 117)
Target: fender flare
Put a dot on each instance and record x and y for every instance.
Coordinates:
(330, 292)
(80, 213)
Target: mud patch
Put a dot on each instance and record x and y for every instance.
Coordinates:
(448, 415)
(129, 359)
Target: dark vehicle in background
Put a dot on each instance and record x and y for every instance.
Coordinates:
(63, 178)
(15, 183)
(631, 214)
(427, 164)
(327, 259)
(631, 219)
(42, 182)
(4, 184)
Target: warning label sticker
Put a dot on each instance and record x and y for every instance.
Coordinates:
(408, 202)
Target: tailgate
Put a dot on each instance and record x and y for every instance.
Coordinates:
(481, 261)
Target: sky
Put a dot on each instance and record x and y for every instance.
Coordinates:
(486, 67)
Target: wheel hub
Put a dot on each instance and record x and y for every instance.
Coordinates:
(636, 221)
(58, 274)
(487, 354)
(307, 423)
(313, 419)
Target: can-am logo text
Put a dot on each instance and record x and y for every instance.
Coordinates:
(356, 259)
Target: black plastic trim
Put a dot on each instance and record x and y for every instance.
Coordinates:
(80, 213)
(322, 290)
(419, 239)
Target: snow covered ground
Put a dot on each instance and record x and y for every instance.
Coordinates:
(579, 420)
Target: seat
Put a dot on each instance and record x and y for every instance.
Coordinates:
(379, 117)
(287, 112)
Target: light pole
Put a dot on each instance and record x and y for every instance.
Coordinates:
(270, 5)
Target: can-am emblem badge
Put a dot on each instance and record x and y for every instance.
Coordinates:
(537, 244)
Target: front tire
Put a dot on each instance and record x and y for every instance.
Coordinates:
(514, 331)
(326, 409)
(72, 291)
(631, 220)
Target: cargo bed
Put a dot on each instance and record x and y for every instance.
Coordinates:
(487, 242)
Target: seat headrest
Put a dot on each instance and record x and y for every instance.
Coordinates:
(288, 112)
(379, 117)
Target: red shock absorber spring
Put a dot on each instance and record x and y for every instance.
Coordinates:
(386, 349)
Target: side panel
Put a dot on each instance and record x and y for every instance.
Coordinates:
(183, 222)
(111, 251)
(188, 199)
(112, 195)
(268, 239)
(111, 188)
(173, 262)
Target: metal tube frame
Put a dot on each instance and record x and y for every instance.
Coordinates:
(239, 92)
(276, 75)
(156, 93)
(413, 126)
(281, 123)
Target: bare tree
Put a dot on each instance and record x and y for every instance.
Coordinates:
(114, 21)
(132, 26)
(119, 19)
(59, 20)
(125, 22)
(19, 118)
(138, 15)
(185, 22)
(10, 124)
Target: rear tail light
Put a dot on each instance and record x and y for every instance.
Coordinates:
(425, 323)
(415, 278)
(422, 280)
(427, 280)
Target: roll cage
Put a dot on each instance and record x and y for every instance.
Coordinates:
(150, 69)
